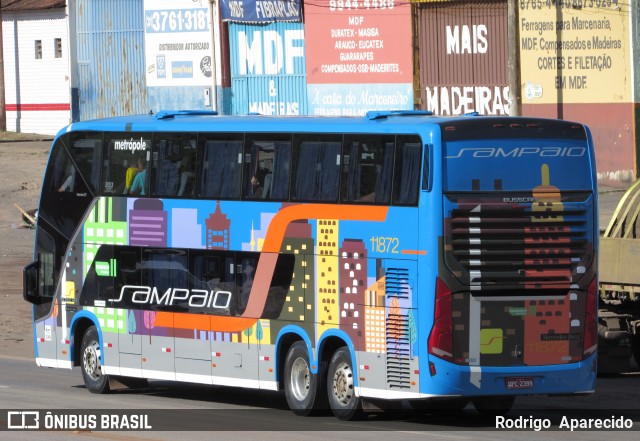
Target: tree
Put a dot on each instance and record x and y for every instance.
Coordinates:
(149, 321)
(259, 332)
(131, 322)
(248, 332)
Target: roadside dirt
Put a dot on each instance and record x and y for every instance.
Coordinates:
(21, 171)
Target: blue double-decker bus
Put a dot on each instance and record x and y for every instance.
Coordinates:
(395, 256)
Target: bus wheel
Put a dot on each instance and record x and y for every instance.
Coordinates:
(340, 387)
(493, 405)
(94, 379)
(301, 386)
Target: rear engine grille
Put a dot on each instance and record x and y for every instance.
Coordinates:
(495, 245)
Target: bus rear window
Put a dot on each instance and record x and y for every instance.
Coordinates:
(516, 165)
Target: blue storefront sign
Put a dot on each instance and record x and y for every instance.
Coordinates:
(260, 11)
(268, 73)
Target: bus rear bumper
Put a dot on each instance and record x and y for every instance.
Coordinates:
(567, 379)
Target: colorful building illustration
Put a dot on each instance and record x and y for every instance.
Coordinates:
(185, 228)
(374, 310)
(107, 224)
(257, 236)
(326, 275)
(299, 307)
(148, 223)
(218, 228)
(353, 274)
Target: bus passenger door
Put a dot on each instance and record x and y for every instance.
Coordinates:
(235, 355)
(129, 342)
(165, 274)
(212, 283)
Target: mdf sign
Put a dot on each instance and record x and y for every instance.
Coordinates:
(269, 52)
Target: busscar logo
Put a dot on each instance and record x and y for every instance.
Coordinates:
(23, 419)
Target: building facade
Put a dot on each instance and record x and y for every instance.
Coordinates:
(577, 62)
(36, 66)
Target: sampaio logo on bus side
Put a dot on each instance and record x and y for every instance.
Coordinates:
(519, 152)
(195, 298)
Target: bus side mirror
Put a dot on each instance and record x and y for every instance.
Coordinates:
(30, 283)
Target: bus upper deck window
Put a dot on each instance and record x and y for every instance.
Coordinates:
(267, 167)
(317, 172)
(174, 162)
(407, 171)
(86, 150)
(125, 156)
(221, 169)
(367, 169)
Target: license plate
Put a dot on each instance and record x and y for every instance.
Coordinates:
(519, 382)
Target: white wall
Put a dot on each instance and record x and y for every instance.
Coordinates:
(37, 91)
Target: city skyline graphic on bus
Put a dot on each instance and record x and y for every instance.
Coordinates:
(351, 292)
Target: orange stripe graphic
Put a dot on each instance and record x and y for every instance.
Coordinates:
(267, 263)
(414, 252)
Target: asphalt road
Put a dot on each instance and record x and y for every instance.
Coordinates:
(234, 414)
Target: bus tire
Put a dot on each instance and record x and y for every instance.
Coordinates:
(302, 388)
(493, 405)
(90, 352)
(343, 401)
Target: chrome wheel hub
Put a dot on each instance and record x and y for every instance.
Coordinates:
(300, 380)
(343, 384)
(91, 361)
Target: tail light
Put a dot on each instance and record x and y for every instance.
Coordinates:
(590, 340)
(441, 337)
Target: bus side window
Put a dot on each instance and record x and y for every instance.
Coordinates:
(317, 168)
(367, 169)
(267, 175)
(62, 174)
(86, 149)
(426, 172)
(246, 272)
(279, 187)
(174, 167)
(48, 273)
(164, 270)
(407, 171)
(221, 169)
(124, 158)
(213, 271)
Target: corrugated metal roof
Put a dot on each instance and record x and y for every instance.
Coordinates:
(31, 5)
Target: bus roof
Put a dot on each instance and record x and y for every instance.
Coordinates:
(208, 121)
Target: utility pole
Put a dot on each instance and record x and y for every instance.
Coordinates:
(513, 35)
(3, 107)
